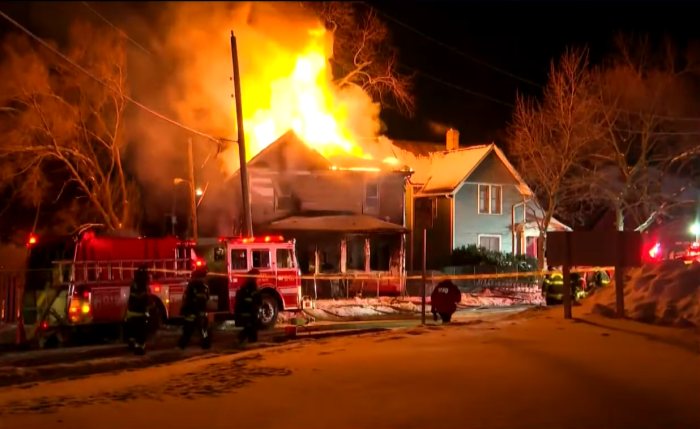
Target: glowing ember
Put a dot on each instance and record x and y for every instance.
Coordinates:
(305, 101)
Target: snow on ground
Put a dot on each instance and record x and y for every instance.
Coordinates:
(667, 293)
(497, 375)
(389, 306)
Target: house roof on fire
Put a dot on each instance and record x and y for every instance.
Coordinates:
(290, 153)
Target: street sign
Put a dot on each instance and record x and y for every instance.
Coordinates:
(424, 208)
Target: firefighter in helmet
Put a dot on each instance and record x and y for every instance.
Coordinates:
(194, 309)
(553, 287)
(247, 308)
(137, 311)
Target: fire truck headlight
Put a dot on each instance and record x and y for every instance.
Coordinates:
(85, 309)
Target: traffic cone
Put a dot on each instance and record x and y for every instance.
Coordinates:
(21, 336)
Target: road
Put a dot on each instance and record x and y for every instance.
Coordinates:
(530, 371)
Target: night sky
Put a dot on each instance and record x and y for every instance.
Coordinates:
(483, 53)
(518, 38)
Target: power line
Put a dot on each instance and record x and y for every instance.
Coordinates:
(491, 66)
(455, 50)
(96, 79)
(121, 32)
(459, 88)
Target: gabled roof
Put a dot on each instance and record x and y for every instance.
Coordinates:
(447, 170)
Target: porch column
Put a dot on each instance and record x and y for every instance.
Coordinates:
(367, 254)
(317, 261)
(343, 255)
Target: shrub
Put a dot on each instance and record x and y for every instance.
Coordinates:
(472, 255)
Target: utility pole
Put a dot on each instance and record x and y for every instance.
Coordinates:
(245, 189)
(193, 196)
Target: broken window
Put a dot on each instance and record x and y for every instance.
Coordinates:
(283, 201)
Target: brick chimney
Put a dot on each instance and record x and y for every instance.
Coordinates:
(452, 139)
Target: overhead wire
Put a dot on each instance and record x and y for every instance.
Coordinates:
(98, 80)
(491, 66)
(119, 30)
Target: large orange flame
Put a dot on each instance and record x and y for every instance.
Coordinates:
(304, 100)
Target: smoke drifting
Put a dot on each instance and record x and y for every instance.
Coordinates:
(194, 85)
(437, 128)
(197, 88)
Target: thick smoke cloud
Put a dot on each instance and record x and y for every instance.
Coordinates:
(192, 81)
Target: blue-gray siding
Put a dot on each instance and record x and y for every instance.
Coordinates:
(469, 224)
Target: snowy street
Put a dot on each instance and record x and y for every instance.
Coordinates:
(532, 369)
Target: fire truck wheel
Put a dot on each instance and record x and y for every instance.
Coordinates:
(268, 311)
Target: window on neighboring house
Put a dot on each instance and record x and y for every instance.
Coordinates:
(261, 259)
(490, 242)
(371, 197)
(283, 201)
(490, 199)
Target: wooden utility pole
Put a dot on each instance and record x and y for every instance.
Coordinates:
(425, 279)
(193, 194)
(245, 189)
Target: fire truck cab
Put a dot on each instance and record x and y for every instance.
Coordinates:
(230, 259)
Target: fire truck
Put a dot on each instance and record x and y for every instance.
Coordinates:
(229, 259)
(90, 290)
(76, 285)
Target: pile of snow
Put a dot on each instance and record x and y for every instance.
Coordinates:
(667, 293)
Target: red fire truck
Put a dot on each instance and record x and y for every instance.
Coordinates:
(90, 290)
(81, 283)
(230, 258)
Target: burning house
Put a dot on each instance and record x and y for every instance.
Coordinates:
(347, 214)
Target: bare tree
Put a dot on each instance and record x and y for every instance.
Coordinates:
(363, 55)
(550, 139)
(641, 96)
(66, 131)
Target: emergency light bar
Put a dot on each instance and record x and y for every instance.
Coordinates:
(32, 240)
(249, 240)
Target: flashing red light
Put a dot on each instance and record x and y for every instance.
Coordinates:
(156, 289)
(198, 263)
(32, 239)
(44, 325)
(265, 239)
(654, 251)
(86, 295)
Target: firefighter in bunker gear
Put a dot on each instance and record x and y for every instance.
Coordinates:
(444, 300)
(194, 309)
(600, 279)
(247, 309)
(553, 287)
(137, 311)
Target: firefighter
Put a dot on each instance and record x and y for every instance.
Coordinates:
(137, 311)
(444, 300)
(247, 309)
(553, 287)
(577, 291)
(194, 309)
(600, 279)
